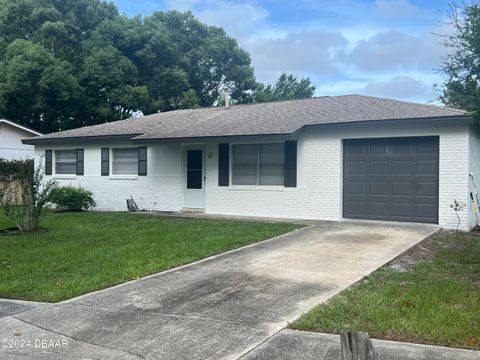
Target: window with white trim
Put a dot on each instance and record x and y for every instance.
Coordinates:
(258, 164)
(66, 162)
(125, 161)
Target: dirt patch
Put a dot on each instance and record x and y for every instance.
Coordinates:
(426, 250)
(15, 231)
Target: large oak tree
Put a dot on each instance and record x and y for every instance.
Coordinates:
(71, 63)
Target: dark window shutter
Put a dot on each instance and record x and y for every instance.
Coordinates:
(142, 161)
(48, 162)
(105, 162)
(290, 163)
(80, 161)
(223, 164)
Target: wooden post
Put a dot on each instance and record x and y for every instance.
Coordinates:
(356, 345)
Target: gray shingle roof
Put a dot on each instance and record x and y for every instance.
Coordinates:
(283, 117)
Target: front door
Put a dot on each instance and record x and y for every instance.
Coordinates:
(194, 182)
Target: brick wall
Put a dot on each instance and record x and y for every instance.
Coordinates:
(318, 194)
(162, 185)
(319, 191)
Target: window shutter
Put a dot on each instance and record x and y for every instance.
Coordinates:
(142, 161)
(290, 164)
(79, 162)
(48, 162)
(105, 162)
(223, 164)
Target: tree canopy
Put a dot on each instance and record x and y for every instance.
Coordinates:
(287, 87)
(71, 63)
(462, 65)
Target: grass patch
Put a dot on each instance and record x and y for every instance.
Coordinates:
(435, 302)
(88, 251)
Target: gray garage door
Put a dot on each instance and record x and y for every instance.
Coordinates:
(391, 179)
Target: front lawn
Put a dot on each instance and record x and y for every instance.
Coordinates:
(83, 252)
(435, 301)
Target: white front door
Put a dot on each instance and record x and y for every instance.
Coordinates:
(194, 178)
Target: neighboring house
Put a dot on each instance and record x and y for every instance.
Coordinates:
(11, 135)
(324, 158)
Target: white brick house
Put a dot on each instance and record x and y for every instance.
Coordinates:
(323, 158)
(11, 135)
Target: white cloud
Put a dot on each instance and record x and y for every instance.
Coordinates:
(394, 50)
(400, 86)
(395, 8)
(359, 53)
(309, 52)
(238, 19)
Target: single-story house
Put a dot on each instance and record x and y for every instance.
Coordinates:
(326, 158)
(11, 146)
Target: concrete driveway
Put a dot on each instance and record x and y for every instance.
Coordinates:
(221, 307)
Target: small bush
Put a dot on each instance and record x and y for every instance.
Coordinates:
(70, 198)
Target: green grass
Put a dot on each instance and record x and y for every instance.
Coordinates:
(436, 302)
(83, 252)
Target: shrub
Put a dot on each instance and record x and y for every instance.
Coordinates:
(70, 198)
(24, 201)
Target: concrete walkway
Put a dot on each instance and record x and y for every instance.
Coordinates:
(12, 307)
(221, 307)
(303, 345)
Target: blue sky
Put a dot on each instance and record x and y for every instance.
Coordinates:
(383, 48)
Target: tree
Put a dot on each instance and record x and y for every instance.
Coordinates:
(36, 89)
(287, 87)
(462, 65)
(71, 63)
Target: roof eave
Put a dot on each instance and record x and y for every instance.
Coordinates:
(136, 137)
(18, 126)
(250, 137)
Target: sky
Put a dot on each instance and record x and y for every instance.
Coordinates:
(389, 48)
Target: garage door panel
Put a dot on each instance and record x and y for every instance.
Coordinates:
(426, 188)
(378, 188)
(402, 188)
(377, 208)
(378, 147)
(356, 148)
(426, 211)
(394, 179)
(356, 167)
(401, 147)
(425, 167)
(358, 208)
(427, 145)
(404, 210)
(402, 167)
(378, 167)
(356, 187)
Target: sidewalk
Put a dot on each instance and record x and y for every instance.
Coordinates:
(303, 345)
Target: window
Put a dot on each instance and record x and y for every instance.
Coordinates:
(258, 164)
(65, 161)
(271, 164)
(125, 161)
